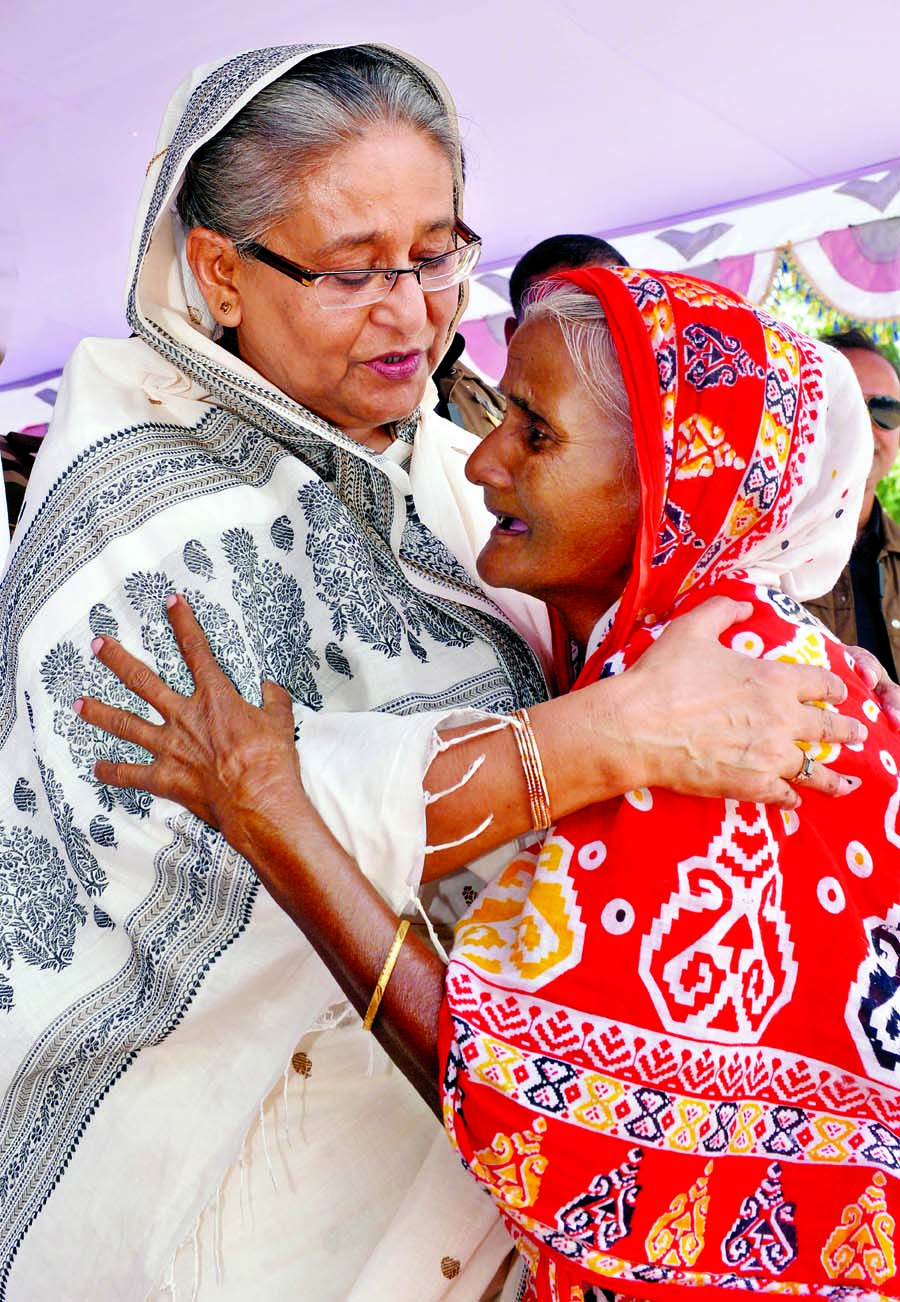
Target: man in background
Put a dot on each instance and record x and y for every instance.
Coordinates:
(863, 607)
(557, 253)
(466, 398)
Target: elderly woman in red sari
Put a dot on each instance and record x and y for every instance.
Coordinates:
(666, 1042)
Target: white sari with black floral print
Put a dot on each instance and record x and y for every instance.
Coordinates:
(151, 994)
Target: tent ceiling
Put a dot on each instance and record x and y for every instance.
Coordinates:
(578, 115)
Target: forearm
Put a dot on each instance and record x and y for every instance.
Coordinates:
(586, 757)
(351, 929)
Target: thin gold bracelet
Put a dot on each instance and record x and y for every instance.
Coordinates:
(535, 781)
(381, 984)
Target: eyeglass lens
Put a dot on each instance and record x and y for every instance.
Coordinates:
(359, 288)
(885, 411)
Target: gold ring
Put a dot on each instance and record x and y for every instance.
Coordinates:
(805, 771)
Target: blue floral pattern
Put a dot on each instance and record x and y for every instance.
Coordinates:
(40, 912)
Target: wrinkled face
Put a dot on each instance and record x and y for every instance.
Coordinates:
(384, 200)
(562, 483)
(877, 377)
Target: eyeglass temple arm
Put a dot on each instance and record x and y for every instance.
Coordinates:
(262, 254)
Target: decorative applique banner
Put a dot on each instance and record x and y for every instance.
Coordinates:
(769, 251)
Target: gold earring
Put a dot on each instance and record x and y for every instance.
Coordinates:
(224, 308)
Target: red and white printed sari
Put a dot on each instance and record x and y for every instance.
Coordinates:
(671, 1037)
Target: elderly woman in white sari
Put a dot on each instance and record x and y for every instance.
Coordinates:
(263, 444)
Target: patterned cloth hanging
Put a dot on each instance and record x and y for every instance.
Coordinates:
(670, 1039)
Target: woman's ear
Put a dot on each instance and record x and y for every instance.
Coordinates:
(216, 264)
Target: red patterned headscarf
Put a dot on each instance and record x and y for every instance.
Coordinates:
(671, 1036)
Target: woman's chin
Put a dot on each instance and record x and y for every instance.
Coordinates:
(494, 569)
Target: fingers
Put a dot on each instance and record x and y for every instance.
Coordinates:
(138, 776)
(136, 676)
(815, 683)
(191, 640)
(120, 723)
(885, 690)
(821, 778)
(816, 724)
(868, 667)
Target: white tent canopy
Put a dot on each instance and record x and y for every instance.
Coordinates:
(578, 115)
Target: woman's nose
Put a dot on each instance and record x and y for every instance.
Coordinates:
(489, 465)
(404, 307)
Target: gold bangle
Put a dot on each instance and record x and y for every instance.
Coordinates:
(535, 781)
(381, 983)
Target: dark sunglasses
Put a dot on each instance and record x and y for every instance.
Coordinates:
(885, 411)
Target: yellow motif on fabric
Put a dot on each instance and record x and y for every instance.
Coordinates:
(783, 355)
(497, 1072)
(806, 647)
(774, 440)
(697, 293)
(702, 448)
(691, 1114)
(743, 1140)
(513, 1166)
(482, 932)
(659, 321)
(830, 1147)
(745, 514)
(599, 1113)
(862, 1246)
(602, 1264)
(677, 1237)
(528, 923)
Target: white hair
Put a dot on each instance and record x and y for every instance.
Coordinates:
(245, 180)
(585, 331)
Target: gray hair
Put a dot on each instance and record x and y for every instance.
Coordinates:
(585, 331)
(245, 180)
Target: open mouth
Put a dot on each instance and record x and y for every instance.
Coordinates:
(396, 366)
(509, 524)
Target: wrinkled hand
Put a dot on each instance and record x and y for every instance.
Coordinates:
(712, 722)
(879, 683)
(227, 761)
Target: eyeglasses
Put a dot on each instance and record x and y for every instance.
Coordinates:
(337, 289)
(885, 411)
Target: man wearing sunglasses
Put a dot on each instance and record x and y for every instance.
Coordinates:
(863, 608)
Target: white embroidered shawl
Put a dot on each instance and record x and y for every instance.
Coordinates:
(150, 992)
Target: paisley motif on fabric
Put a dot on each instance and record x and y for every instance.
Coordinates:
(40, 912)
(763, 1238)
(357, 580)
(677, 1237)
(861, 1248)
(601, 1216)
(701, 448)
(718, 960)
(528, 920)
(513, 1166)
(712, 357)
(675, 531)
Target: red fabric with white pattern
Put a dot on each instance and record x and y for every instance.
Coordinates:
(671, 1037)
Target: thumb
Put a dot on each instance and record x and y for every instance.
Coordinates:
(714, 617)
(277, 702)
